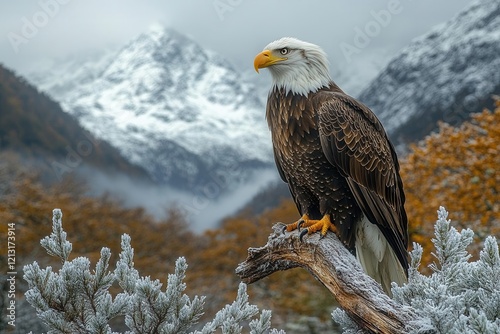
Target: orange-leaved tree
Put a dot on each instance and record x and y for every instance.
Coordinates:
(457, 168)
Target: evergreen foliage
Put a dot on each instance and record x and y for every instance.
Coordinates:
(460, 296)
(76, 299)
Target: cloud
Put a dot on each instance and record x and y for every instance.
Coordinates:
(201, 211)
(237, 31)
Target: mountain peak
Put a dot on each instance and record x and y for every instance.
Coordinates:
(446, 74)
(172, 107)
(161, 34)
(156, 28)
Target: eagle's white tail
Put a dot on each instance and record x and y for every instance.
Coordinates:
(377, 257)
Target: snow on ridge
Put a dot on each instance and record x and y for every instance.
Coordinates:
(431, 74)
(163, 87)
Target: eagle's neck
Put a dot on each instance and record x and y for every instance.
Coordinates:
(299, 79)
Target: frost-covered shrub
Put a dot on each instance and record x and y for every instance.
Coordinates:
(76, 299)
(459, 296)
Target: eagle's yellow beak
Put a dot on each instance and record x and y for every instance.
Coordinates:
(265, 59)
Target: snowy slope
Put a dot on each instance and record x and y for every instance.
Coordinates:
(443, 75)
(181, 112)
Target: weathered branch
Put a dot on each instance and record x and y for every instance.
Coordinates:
(333, 265)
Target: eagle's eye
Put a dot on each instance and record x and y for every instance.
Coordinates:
(284, 51)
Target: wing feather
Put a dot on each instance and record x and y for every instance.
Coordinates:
(278, 166)
(353, 139)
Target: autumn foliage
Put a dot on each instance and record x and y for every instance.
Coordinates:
(457, 168)
(212, 255)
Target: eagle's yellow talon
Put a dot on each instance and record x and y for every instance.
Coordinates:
(312, 225)
(304, 232)
(298, 224)
(291, 227)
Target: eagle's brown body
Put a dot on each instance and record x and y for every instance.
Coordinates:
(317, 185)
(339, 164)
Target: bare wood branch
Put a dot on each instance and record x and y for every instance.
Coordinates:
(336, 268)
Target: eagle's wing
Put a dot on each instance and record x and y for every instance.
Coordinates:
(278, 166)
(353, 139)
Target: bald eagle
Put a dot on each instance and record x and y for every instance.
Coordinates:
(341, 168)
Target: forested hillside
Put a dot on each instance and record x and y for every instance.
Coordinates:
(41, 134)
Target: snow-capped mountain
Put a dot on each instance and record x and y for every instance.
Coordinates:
(180, 111)
(445, 74)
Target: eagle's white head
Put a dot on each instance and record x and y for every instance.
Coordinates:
(295, 65)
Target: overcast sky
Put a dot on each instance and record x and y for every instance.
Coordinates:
(236, 29)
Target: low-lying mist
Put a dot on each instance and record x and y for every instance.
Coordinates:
(204, 207)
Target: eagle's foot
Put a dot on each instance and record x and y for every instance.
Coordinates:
(312, 225)
(297, 225)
